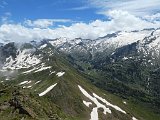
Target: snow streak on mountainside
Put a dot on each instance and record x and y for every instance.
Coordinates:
(47, 90)
(95, 100)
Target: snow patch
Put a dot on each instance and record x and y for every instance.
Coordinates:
(87, 103)
(59, 74)
(43, 68)
(37, 82)
(43, 46)
(29, 71)
(133, 118)
(7, 79)
(124, 102)
(24, 82)
(109, 104)
(95, 99)
(51, 72)
(29, 86)
(125, 58)
(47, 90)
(58, 42)
(94, 113)
(29, 82)
(24, 87)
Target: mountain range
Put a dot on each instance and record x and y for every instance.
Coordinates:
(115, 77)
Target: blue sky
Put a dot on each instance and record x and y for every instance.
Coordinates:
(23, 20)
(75, 10)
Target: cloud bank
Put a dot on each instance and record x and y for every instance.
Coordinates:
(41, 28)
(44, 23)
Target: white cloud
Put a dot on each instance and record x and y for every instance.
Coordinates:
(120, 21)
(40, 23)
(44, 23)
(125, 21)
(136, 7)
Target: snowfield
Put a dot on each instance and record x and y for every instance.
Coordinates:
(23, 60)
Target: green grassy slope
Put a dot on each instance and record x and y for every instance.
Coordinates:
(64, 101)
